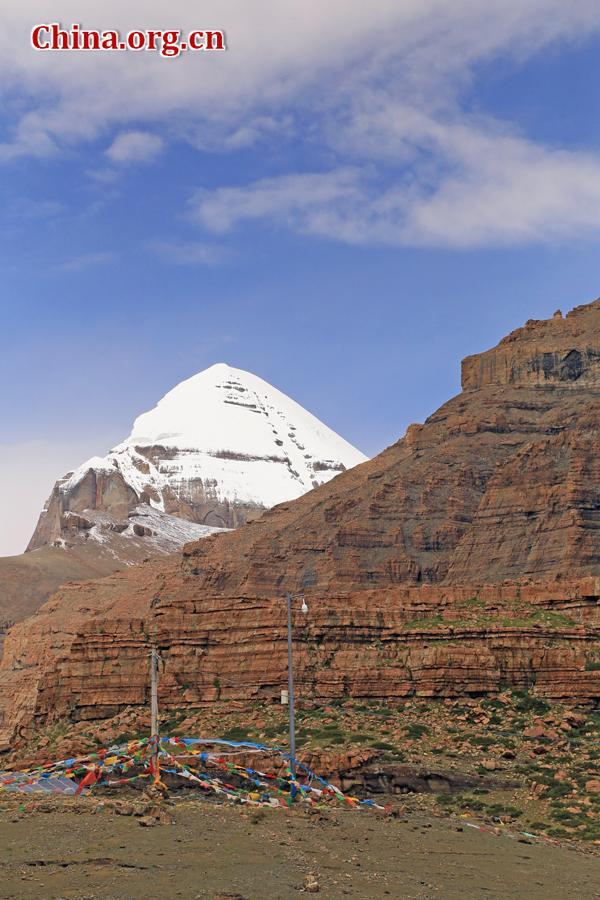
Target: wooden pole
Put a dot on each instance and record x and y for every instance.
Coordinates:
(154, 710)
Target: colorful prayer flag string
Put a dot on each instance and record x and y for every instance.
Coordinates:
(206, 763)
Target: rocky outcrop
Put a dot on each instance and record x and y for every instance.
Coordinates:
(462, 560)
(92, 545)
(540, 512)
(96, 490)
(542, 353)
(76, 505)
(501, 481)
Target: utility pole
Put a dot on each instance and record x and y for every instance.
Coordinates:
(291, 699)
(288, 598)
(154, 710)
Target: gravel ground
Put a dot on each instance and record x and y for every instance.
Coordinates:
(82, 849)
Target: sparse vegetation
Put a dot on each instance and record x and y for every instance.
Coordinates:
(536, 757)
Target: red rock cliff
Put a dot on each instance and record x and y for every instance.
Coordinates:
(403, 561)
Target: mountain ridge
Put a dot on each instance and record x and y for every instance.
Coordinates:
(462, 560)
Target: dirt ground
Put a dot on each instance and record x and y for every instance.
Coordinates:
(81, 850)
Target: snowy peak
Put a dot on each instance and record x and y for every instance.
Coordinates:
(215, 450)
(226, 408)
(230, 416)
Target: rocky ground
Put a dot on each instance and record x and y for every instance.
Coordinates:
(66, 848)
(513, 762)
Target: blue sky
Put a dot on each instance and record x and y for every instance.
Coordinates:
(346, 207)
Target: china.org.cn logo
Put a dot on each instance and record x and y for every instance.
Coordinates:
(169, 43)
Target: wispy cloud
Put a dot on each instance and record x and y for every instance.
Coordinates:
(30, 209)
(467, 188)
(135, 147)
(20, 214)
(238, 133)
(298, 200)
(189, 253)
(277, 59)
(382, 96)
(104, 176)
(86, 261)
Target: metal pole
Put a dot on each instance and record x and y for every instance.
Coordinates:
(154, 708)
(288, 598)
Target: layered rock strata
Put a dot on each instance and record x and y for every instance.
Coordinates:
(461, 560)
(85, 654)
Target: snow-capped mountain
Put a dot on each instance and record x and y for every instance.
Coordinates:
(217, 449)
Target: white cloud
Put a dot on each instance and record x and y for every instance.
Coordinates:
(229, 134)
(514, 192)
(297, 200)
(274, 52)
(277, 53)
(379, 89)
(457, 185)
(134, 146)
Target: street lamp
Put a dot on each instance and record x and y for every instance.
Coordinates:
(304, 609)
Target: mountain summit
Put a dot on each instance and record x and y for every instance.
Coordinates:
(218, 448)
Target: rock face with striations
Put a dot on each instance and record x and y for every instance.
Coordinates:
(463, 559)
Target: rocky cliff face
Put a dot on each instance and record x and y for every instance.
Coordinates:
(92, 546)
(463, 559)
(85, 654)
(542, 353)
(501, 482)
